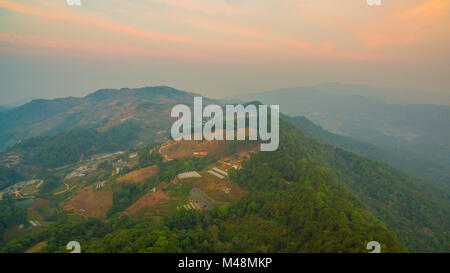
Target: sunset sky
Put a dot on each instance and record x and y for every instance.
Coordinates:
(220, 47)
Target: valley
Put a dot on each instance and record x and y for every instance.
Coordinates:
(228, 195)
(410, 137)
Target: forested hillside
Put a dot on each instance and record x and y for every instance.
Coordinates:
(103, 109)
(75, 145)
(301, 210)
(416, 212)
(437, 174)
(8, 177)
(414, 138)
(10, 214)
(305, 197)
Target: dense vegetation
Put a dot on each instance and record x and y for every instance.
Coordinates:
(304, 197)
(293, 218)
(147, 158)
(416, 212)
(8, 177)
(414, 138)
(10, 214)
(75, 145)
(101, 109)
(18, 123)
(436, 173)
(295, 207)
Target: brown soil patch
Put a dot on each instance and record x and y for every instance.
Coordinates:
(37, 247)
(214, 189)
(139, 175)
(186, 148)
(149, 200)
(90, 202)
(38, 203)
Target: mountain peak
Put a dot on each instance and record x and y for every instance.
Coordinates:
(148, 93)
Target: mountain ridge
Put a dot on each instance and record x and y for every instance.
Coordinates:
(419, 132)
(101, 109)
(414, 211)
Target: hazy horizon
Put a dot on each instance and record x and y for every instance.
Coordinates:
(403, 97)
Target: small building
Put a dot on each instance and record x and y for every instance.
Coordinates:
(189, 175)
(216, 174)
(219, 171)
(100, 185)
(200, 153)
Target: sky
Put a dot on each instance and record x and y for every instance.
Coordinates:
(220, 48)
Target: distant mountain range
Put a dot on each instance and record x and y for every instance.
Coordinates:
(11, 105)
(19, 102)
(401, 159)
(402, 96)
(415, 138)
(102, 109)
(309, 191)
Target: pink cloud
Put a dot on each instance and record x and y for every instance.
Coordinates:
(405, 27)
(380, 40)
(241, 39)
(431, 9)
(206, 7)
(101, 49)
(115, 27)
(262, 38)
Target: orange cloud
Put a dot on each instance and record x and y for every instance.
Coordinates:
(205, 7)
(91, 22)
(330, 51)
(101, 49)
(406, 27)
(378, 40)
(260, 37)
(241, 40)
(432, 9)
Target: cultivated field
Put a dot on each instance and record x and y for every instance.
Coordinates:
(139, 175)
(218, 190)
(90, 202)
(36, 248)
(188, 148)
(37, 204)
(150, 199)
